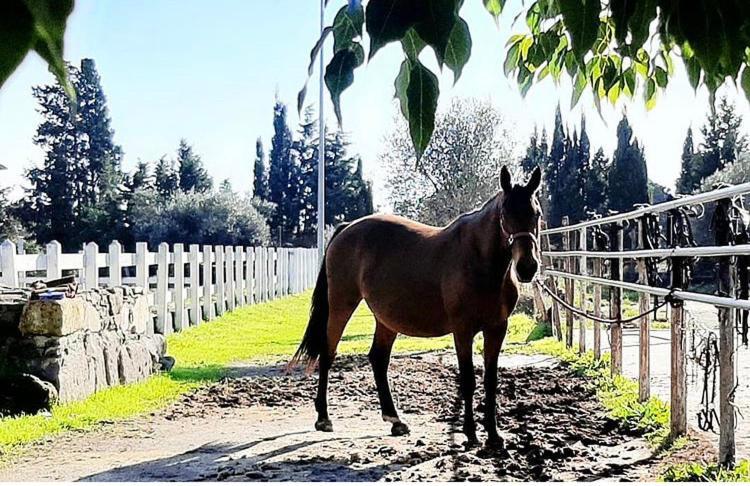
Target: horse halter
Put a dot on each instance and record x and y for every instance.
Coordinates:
(512, 237)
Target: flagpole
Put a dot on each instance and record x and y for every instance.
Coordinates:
(321, 152)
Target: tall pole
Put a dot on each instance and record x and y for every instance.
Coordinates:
(321, 154)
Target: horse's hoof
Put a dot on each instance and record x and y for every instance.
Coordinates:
(495, 442)
(399, 428)
(324, 425)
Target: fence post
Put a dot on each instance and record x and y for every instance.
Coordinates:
(8, 263)
(195, 302)
(162, 289)
(54, 251)
(569, 288)
(220, 300)
(644, 334)
(727, 378)
(258, 265)
(179, 287)
(113, 260)
(616, 244)
(583, 287)
(90, 269)
(270, 254)
(229, 287)
(141, 265)
(239, 279)
(597, 268)
(249, 278)
(678, 348)
(208, 301)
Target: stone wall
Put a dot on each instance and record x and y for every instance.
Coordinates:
(100, 338)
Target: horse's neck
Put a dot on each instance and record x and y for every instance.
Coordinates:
(482, 229)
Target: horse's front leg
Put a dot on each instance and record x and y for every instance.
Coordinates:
(493, 341)
(463, 341)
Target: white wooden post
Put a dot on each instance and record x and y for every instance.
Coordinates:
(256, 275)
(195, 301)
(141, 265)
(220, 300)
(54, 252)
(262, 278)
(8, 263)
(269, 272)
(229, 288)
(162, 289)
(113, 260)
(249, 279)
(90, 269)
(283, 265)
(208, 302)
(179, 287)
(239, 280)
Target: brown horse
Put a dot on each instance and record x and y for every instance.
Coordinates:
(424, 281)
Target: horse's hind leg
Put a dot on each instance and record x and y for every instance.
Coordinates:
(493, 341)
(380, 357)
(338, 316)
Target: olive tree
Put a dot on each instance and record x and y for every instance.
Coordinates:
(460, 168)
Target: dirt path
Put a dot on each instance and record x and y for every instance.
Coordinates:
(257, 426)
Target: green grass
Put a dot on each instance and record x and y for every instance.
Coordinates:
(619, 395)
(698, 472)
(203, 354)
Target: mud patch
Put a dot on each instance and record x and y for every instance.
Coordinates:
(552, 424)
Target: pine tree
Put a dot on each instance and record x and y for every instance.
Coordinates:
(534, 155)
(166, 180)
(260, 174)
(141, 178)
(191, 174)
(628, 176)
(81, 171)
(281, 173)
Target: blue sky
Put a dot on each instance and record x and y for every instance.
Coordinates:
(208, 72)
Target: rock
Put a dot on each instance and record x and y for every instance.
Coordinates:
(166, 363)
(58, 317)
(25, 393)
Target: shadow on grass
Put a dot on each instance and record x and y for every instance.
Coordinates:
(198, 374)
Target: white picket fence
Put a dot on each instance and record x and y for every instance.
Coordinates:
(188, 284)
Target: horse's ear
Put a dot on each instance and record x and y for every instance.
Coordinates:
(534, 180)
(505, 182)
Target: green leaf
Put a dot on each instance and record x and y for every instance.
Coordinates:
(581, 18)
(629, 77)
(693, 68)
(16, 36)
(388, 20)
(458, 50)
(50, 19)
(622, 11)
(661, 77)
(579, 84)
(422, 96)
(401, 85)
(494, 7)
(340, 73)
(649, 94)
(745, 81)
(640, 21)
(511, 59)
(412, 44)
(347, 26)
(435, 29)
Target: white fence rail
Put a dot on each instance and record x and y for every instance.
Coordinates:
(189, 283)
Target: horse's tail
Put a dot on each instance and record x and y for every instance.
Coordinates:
(315, 340)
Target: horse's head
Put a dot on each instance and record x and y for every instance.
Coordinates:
(520, 215)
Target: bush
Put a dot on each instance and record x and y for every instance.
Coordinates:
(213, 218)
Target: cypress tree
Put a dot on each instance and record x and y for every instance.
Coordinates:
(685, 182)
(281, 173)
(556, 161)
(628, 177)
(595, 186)
(260, 174)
